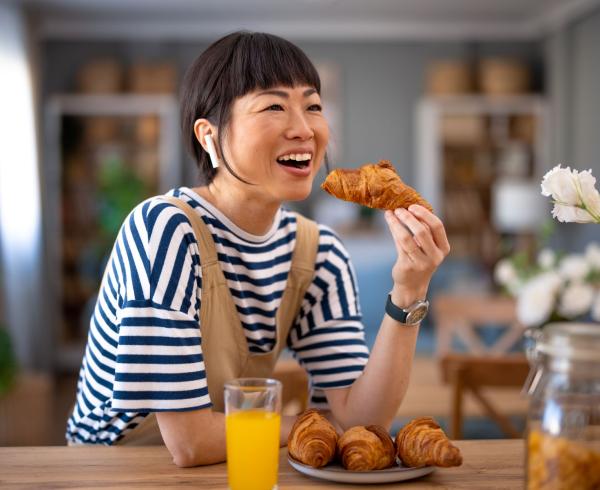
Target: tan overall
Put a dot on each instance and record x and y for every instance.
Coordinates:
(224, 345)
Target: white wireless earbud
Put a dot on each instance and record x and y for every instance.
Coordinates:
(212, 152)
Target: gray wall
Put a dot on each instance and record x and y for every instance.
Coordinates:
(574, 85)
(381, 83)
(585, 85)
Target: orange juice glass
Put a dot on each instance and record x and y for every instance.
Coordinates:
(253, 418)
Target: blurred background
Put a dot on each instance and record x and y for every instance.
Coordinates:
(473, 101)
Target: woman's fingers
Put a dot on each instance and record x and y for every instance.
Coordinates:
(405, 243)
(419, 230)
(436, 226)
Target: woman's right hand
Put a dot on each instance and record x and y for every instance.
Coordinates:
(422, 245)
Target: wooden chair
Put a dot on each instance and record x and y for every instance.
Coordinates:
(473, 373)
(26, 411)
(482, 366)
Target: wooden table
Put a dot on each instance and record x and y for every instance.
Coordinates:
(487, 464)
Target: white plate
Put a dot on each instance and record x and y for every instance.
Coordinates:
(335, 472)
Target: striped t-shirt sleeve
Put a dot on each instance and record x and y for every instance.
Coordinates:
(159, 365)
(328, 337)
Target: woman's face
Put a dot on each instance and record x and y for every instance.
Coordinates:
(277, 139)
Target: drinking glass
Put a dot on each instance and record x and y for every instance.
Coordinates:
(253, 419)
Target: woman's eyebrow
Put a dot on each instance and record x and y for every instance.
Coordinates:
(284, 94)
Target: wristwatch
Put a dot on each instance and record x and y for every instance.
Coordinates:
(410, 315)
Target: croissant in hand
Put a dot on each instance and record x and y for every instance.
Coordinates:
(373, 185)
(423, 443)
(313, 439)
(367, 448)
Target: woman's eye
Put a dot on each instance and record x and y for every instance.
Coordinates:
(275, 107)
(315, 108)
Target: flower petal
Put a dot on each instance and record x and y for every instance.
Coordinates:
(576, 299)
(560, 183)
(537, 299)
(574, 267)
(571, 214)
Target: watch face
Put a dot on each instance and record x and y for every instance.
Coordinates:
(416, 315)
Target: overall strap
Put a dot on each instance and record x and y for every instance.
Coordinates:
(307, 244)
(206, 245)
(300, 277)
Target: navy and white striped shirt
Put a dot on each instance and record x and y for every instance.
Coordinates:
(144, 351)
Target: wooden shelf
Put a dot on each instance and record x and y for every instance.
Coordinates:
(100, 148)
(491, 143)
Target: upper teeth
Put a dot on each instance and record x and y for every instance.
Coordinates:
(296, 156)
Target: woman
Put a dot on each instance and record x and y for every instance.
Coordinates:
(209, 283)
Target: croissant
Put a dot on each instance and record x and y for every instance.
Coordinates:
(367, 448)
(373, 185)
(423, 443)
(313, 439)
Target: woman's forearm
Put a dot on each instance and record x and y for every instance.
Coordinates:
(194, 438)
(287, 421)
(374, 398)
(198, 437)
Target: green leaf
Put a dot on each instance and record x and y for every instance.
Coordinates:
(8, 362)
(120, 191)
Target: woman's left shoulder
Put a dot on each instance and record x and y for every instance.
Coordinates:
(329, 240)
(326, 234)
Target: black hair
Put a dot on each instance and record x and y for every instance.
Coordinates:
(230, 68)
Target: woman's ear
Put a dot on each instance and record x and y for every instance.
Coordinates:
(206, 134)
(203, 127)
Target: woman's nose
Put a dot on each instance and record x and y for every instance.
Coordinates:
(299, 127)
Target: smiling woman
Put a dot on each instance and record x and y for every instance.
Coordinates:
(210, 283)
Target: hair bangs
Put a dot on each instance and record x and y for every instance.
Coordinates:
(263, 61)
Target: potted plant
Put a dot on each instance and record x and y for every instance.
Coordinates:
(8, 363)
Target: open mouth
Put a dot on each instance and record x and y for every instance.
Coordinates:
(295, 161)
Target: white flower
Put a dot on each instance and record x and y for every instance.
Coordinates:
(537, 299)
(560, 184)
(592, 255)
(596, 307)
(546, 258)
(574, 267)
(576, 299)
(574, 194)
(504, 272)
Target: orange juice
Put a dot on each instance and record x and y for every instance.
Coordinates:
(252, 449)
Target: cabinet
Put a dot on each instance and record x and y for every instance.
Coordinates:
(472, 152)
(104, 155)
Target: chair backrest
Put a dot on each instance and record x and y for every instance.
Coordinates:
(482, 366)
(460, 314)
(507, 371)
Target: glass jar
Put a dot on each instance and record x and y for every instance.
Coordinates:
(563, 426)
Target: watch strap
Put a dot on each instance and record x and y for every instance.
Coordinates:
(395, 312)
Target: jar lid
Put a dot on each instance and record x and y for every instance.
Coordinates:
(577, 341)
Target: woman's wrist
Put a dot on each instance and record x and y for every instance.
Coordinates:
(403, 297)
